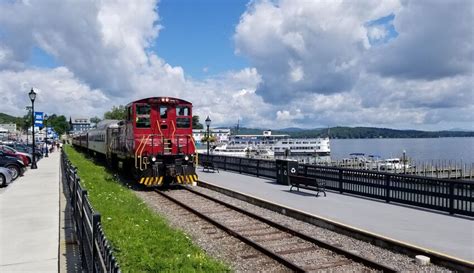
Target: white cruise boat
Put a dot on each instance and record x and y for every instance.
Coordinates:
(243, 151)
(302, 146)
(268, 145)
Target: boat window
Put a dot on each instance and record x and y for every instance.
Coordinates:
(182, 111)
(183, 122)
(142, 112)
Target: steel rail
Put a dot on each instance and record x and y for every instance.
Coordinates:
(248, 241)
(357, 258)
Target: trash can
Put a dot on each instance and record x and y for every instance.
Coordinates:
(283, 169)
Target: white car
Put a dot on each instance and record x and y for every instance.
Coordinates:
(5, 177)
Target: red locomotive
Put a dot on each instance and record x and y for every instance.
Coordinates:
(155, 141)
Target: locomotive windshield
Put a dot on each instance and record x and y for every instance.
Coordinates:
(182, 111)
(143, 115)
(163, 111)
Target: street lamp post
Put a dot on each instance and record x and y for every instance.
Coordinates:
(208, 123)
(46, 134)
(404, 162)
(27, 135)
(32, 96)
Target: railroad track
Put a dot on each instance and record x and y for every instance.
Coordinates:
(295, 250)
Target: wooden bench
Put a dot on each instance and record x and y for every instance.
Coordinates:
(209, 165)
(310, 183)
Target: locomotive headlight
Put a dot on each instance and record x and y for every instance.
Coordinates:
(153, 159)
(186, 158)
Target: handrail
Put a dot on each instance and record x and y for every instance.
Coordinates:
(195, 150)
(172, 135)
(451, 196)
(161, 134)
(87, 227)
(141, 152)
(136, 151)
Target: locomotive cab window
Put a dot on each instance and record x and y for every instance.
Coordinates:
(163, 111)
(183, 122)
(182, 111)
(142, 112)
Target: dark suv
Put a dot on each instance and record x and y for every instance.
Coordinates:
(14, 164)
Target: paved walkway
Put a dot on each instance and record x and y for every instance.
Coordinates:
(450, 235)
(29, 219)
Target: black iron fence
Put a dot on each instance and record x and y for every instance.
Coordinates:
(96, 253)
(452, 196)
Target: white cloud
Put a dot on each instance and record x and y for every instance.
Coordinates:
(312, 63)
(436, 41)
(307, 46)
(377, 32)
(58, 92)
(317, 56)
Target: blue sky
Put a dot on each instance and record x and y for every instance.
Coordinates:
(38, 57)
(198, 35)
(301, 63)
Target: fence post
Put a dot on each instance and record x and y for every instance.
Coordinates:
(387, 188)
(258, 166)
(341, 190)
(95, 253)
(74, 182)
(451, 197)
(81, 230)
(240, 165)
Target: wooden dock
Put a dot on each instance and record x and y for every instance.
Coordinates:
(436, 169)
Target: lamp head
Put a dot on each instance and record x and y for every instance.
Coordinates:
(32, 95)
(208, 121)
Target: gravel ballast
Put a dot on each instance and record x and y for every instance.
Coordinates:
(241, 257)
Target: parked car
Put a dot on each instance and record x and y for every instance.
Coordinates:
(12, 163)
(5, 176)
(26, 149)
(25, 157)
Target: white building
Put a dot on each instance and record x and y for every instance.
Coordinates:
(10, 127)
(222, 135)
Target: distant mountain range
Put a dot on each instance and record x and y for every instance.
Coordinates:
(333, 132)
(4, 118)
(357, 132)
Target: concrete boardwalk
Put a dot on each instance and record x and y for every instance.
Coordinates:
(29, 219)
(450, 235)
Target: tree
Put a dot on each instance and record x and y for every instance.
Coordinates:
(119, 113)
(196, 124)
(212, 139)
(95, 120)
(59, 123)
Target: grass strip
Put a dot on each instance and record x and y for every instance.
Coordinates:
(142, 241)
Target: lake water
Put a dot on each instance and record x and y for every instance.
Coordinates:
(418, 149)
